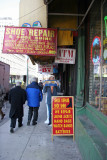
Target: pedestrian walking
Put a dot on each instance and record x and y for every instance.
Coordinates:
(34, 97)
(41, 85)
(2, 96)
(51, 91)
(17, 97)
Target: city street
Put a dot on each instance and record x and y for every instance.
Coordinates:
(35, 142)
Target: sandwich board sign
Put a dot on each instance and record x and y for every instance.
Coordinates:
(62, 116)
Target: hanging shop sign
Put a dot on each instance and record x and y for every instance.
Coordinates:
(62, 116)
(37, 24)
(65, 55)
(30, 41)
(96, 50)
(45, 69)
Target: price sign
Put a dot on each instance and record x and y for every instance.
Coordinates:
(45, 69)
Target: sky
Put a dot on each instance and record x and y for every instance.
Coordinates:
(9, 8)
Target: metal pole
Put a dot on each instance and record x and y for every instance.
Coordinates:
(86, 14)
(101, 63)
(65, 14)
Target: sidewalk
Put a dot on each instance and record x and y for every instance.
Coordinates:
(34, 142)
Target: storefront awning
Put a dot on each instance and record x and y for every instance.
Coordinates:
(42, 59)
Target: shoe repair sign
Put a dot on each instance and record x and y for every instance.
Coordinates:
(62, 115)
(30, 41)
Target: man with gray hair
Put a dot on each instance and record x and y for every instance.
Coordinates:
(17, 97)
(34, 79)
(34, 96)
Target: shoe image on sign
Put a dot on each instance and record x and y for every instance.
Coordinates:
(70, 103)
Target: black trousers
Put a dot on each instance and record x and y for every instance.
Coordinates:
(33, 111)
(13, 122)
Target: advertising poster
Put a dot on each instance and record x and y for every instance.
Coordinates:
(50, 83)
(30, 41)
(62, 116)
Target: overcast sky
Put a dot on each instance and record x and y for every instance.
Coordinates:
(9, 8)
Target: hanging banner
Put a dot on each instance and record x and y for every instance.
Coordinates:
(62, 115)
(30, 41)
(45, 68)
(65, 55)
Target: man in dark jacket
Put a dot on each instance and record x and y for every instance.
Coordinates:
(34, 96)
(17, 97)
(41, 85)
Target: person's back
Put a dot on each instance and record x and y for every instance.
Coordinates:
(34, 96)
(16, 95)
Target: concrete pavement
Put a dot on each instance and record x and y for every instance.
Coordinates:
(34, 142)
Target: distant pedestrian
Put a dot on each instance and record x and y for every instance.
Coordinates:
(2, 96)
(34, 96)
(41, 85)
(51, 91)
(17, 97)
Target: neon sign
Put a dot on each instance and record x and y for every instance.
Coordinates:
(105, 19)
(96, 50)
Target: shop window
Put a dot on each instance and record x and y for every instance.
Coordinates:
(103, 70)
(98, 71)
(106, 70)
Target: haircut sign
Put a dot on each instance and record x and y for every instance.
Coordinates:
(62, 116)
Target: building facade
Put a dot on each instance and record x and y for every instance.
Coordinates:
(18, 63)
(81, 25)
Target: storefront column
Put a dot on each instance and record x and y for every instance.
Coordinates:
(81, 63)
(101, 63)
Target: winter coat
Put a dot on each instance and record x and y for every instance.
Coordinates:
(17, 97)
(34, 95)
(49, 94)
